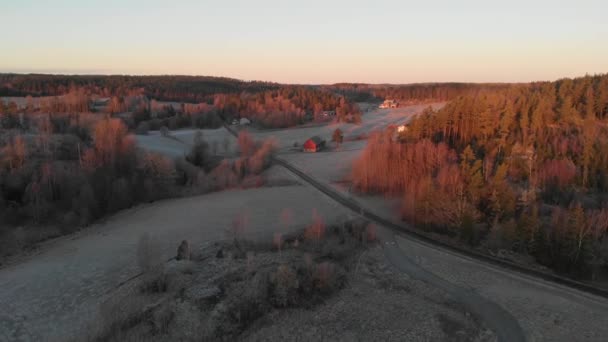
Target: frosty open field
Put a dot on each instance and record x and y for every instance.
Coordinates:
(55, 293)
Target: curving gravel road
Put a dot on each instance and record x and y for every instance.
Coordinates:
(504, 325)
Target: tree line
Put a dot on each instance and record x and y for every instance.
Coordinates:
(286, 106)
(410, 93)
(165, 88)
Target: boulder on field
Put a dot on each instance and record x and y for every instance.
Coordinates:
(183, 251)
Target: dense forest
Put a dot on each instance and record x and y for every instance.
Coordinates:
(410, 93)
(286, 106)
(197, 89)
(521, 168)
(165, 88)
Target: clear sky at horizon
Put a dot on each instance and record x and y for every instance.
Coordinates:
(311, 41)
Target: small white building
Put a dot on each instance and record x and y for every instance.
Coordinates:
(389, 104)
(244, 122)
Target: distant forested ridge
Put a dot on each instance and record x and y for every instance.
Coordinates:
(196, 89)
(415, 93)
(521, 168)
(165, 88)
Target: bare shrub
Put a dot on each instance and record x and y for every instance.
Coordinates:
(188, 174)
(112, 143)
(162, 318)
(262, 156)
(223, 176)
(327, 277)
(371, 232)
(316, 230)
(185, 323)
(286, 219)
(159, 171)
(285, 286)
(117, 315)
(252, 181)
(183, 251)
(246, 144)
(245, 302)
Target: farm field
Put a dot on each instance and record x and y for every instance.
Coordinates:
(53, 294)
(21, 101)
(333, 165)
(373, 120)
(180, 141)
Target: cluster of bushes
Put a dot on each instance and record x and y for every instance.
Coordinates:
(12, 119)
(167, 88)
(64, 180)
(142, 121)
(229, 286)
(212, 173)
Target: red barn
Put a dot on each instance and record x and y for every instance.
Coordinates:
(314, 144)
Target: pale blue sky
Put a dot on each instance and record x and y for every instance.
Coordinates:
(309, 41)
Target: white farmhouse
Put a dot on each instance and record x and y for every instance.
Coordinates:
(389, 104)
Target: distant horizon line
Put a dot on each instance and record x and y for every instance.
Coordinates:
(62, 73)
